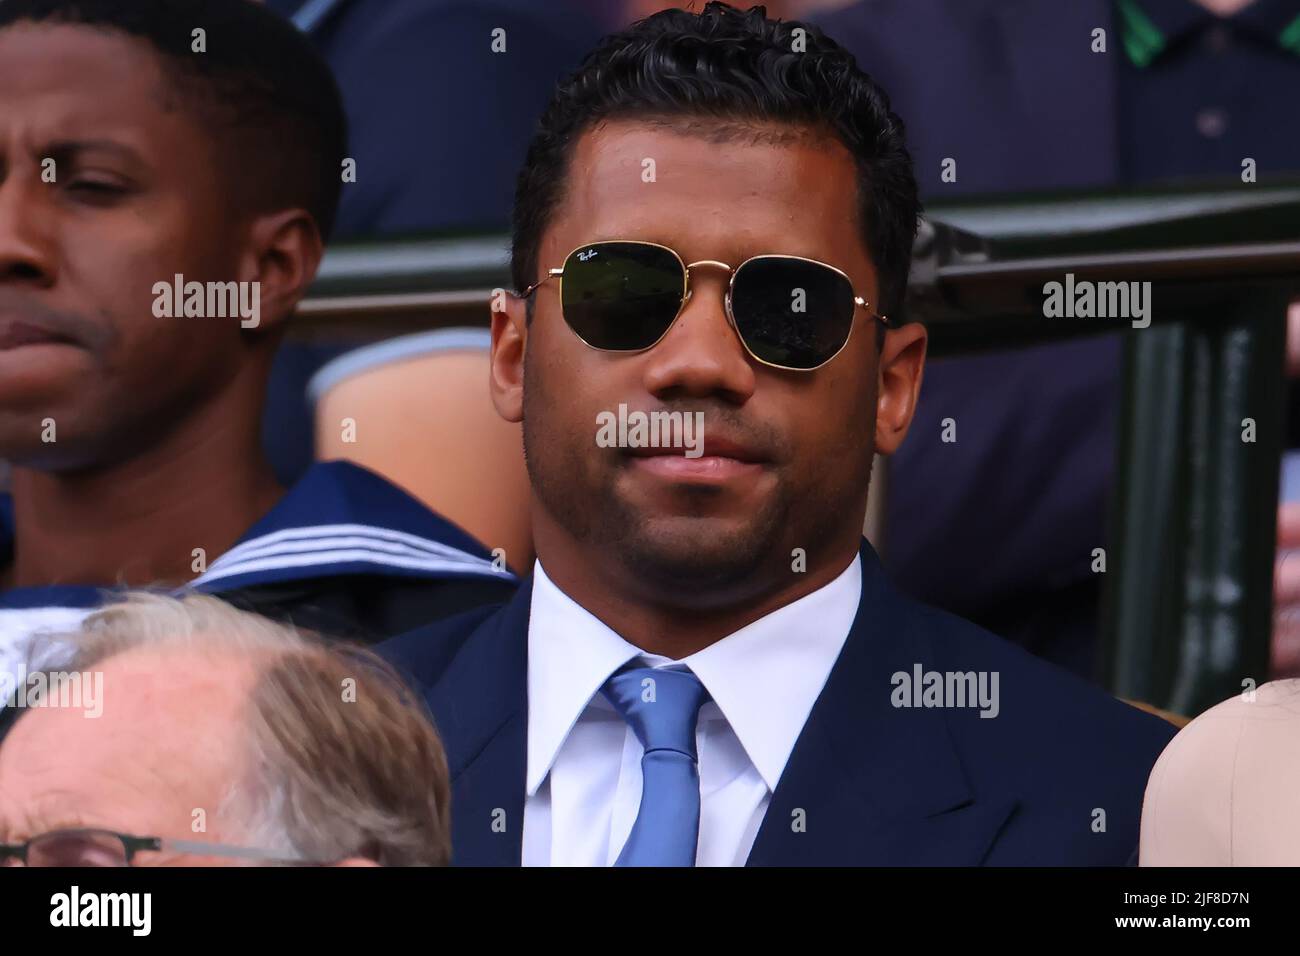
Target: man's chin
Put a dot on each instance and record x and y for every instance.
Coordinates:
(43, 448)
(703, 554)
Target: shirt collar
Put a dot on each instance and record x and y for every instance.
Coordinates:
(1148, 27)
(571, 653)
(1279, 19)
(341, 519)
(764, 678)
(338, 519)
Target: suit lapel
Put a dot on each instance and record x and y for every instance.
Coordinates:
(481, 708)
(869, 784)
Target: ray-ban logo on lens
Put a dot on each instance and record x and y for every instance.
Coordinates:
(209, 300)
(589, 254)
(651, 430)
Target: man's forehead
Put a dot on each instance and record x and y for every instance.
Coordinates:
(71, 81)
(652, 181)
(170, 726)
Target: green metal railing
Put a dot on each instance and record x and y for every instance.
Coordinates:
(1190, 562)
(1189, 570)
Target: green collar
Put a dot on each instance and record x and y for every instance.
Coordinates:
(1144, 39)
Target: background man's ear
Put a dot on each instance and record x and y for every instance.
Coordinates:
(509, 337)
(285, 250)
(899, 370)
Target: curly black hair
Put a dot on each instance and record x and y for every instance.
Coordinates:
(734, 67)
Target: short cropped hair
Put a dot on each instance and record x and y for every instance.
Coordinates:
(269, 99)
(725, 72)
(330, 778)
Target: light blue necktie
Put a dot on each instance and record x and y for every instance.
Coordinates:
(662, 707)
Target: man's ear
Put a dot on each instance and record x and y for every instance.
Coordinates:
(509, 338)
(285, 250)
(898, 383)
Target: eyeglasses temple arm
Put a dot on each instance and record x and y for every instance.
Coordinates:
(858, 300)
(225, 849)
(534, 287)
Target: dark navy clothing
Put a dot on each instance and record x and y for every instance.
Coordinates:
(890, 785)
(1197, 94)
(344, 552)
(438, 120)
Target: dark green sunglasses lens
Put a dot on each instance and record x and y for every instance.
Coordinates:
(621, 296)
(792, 312)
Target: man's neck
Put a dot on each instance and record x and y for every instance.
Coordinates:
(668, 627)
(1224, 8)
(156, 518)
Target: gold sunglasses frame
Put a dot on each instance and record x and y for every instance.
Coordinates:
(858, 301)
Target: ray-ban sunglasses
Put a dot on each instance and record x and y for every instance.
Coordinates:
(789, 312)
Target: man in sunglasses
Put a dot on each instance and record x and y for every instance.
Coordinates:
(708, 665)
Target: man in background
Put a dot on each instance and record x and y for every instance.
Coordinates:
(1016, 95)
(134, 165)
(309, 754)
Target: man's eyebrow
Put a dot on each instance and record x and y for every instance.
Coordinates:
(67, 148)
(33, 821)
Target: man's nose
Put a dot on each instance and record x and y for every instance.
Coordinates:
(26, 232)
(701, 356)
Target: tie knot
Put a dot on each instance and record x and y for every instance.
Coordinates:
(661, 706)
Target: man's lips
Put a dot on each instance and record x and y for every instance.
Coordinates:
(712, 448)
(706, 469)
(721, 460)
(17, 333)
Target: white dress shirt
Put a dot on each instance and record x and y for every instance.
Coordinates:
(584, 761)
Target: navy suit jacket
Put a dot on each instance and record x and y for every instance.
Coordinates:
(1056, 778)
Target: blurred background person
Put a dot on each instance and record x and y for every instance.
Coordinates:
(310, 754)
(133, 437)
(1012, 90)
(1222, 793)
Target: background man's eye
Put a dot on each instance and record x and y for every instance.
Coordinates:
(96, 190)
(96, 185)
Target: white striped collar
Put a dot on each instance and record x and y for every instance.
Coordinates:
(342, 549)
